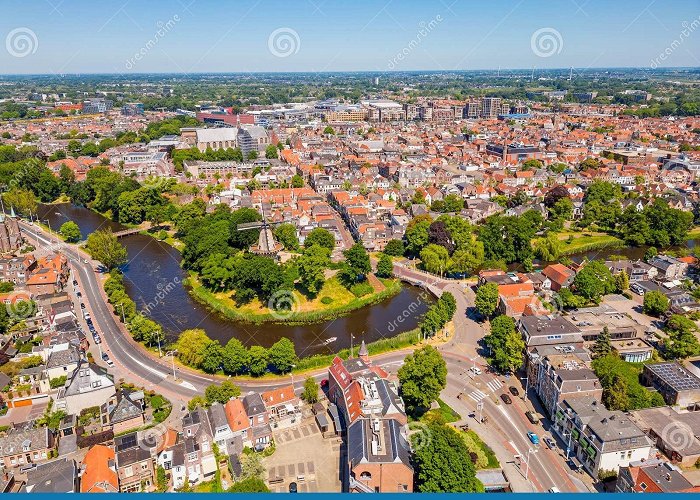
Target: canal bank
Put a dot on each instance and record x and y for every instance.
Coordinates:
(154, 280)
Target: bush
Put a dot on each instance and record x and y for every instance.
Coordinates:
(327, 300)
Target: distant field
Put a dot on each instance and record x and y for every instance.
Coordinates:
(586, 241)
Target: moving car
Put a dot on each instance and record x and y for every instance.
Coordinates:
(514, 391)
(506, 399)
(554, 489)
(475, 370)
(533, 437)
(534, 419)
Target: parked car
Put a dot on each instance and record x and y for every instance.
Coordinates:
(533, 438)
(554, 489)
(514, 391)
(293, 487)
(97, 339)
(506, 399)
(82, 305)
(106, 359)
(75, 282)
(549, 442)
(78, 294)
(534, 419)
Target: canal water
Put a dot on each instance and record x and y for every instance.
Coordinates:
(154, 280)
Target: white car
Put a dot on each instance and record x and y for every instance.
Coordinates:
(554, 489)
(475, 370)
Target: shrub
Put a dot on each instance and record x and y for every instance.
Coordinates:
(327, 300)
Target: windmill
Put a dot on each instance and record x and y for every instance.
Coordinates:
(267, 245)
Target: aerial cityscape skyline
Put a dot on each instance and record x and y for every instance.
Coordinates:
(337, 247)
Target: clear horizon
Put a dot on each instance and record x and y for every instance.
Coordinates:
(313, 36)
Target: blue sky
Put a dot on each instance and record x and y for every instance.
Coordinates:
(119, 36)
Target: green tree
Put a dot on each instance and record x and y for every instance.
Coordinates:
(655, 303)
(682, 339)
(321, 237)
(548, 249)
(486, 299)
(249, 485)
(416, 234)
(506, 345)
(104, 247)
(394, 248)
(443, 462)
(287, 235)
(282, 355)
(212, 357)
(435, 259)
(191, 346)
(70, 232)
(22, 200)
(594, 281)
(602, 346)
(297, 181)
(312, 265)
(271, 152)
(422, 376)
(328, 130)
(235, 357)
(310, 392)
(258, 360)
(221, 393)
(385, 266)
(357, 259)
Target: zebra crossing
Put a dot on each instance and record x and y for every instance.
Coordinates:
(494, 385)
(477, 395)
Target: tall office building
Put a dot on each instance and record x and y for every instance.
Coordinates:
(490, 107)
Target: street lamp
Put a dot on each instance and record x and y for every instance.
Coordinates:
(123, 315)
(172, 354)
(527, 463)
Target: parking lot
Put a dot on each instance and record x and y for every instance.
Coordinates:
(302, 455)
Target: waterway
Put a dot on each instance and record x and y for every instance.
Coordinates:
(154, 280)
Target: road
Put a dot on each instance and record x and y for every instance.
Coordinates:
(135, 364)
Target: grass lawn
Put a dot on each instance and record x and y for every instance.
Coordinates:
(694, 234)
(584, 241)
(486, 458)
(332, 301)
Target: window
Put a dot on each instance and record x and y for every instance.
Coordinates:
(643, 486)
(365, 476)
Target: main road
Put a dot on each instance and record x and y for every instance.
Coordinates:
(137, 365)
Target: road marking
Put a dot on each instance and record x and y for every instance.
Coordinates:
(187, 385)
(477, 395)
(494, 385)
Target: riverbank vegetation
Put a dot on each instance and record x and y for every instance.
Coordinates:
(332, 301)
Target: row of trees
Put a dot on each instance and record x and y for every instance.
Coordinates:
(438, 315)
(197, 350)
